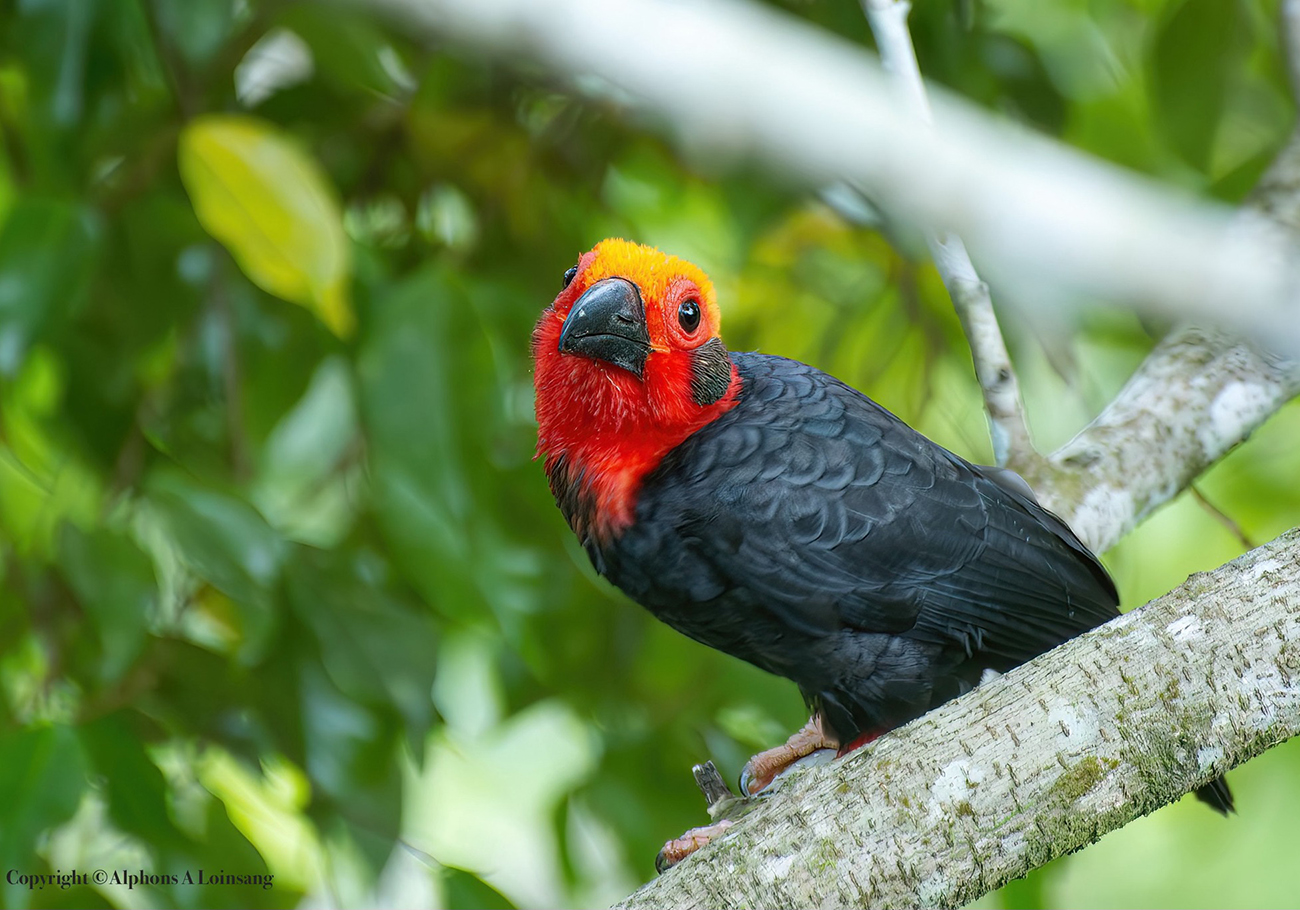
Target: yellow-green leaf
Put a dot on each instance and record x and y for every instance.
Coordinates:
(268, 202)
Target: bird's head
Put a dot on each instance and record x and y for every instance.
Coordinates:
(627, 364)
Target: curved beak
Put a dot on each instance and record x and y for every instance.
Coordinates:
(608, 323)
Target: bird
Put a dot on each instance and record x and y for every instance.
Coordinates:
(770, 511)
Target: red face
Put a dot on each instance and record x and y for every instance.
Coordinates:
(628, 363)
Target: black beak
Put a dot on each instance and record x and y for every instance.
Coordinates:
(608, 323)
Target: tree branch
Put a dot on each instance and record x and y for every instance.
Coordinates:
(1044, 214)
(1200, 393)
(1042, 761)
(970, 295)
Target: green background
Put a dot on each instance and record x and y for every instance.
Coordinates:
(280, 582)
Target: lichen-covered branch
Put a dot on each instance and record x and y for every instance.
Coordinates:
(1035, 764)
(970, 294)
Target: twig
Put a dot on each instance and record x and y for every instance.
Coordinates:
(970, 295)
(711, 784)
(1222, 518)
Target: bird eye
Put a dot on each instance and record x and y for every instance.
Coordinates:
(688, 315)
(568, 277)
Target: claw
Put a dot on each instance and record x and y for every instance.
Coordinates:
(679, 848)
(810, 745)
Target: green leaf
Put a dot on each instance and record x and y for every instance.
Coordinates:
(44, 777)
(1194, 56)
(347, 48)
(466, 890)
(198, 27)
(132, 784)
(269, 203)
(115, 584)
(47, 257)
(429, 515)
(377, 651)
(302, 482)
(351, 754)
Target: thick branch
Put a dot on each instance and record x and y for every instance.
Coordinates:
(1037, 763)
(970, 295)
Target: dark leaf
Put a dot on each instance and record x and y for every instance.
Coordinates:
(115, 584)
(1194, 57)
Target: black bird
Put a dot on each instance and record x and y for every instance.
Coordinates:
(770, 511)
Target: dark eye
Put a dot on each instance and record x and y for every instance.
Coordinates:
(568, 277)
(688, 315)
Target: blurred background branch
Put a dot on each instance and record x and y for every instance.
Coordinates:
(817, 109)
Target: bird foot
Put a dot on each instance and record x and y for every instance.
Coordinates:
(810, 745)
(765, 767)
(679, 848)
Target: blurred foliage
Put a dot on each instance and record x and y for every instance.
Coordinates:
(281, 589)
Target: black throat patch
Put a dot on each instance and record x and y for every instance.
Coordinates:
(578, 504)
(710, 372)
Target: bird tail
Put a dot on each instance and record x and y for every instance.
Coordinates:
(1217, 795)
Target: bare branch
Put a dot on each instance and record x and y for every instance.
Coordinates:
(1229, 524)
(1045, 759)
(970, 295)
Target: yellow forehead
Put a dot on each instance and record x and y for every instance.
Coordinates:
(651, 270)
